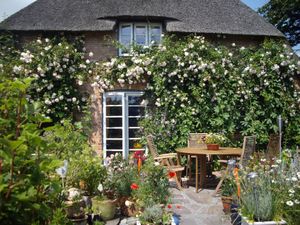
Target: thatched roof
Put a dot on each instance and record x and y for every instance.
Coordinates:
(192, 16)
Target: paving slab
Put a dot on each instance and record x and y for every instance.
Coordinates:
(200, 208)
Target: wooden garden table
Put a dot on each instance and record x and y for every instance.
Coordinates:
(201, 153)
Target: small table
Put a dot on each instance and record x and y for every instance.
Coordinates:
(201, 154)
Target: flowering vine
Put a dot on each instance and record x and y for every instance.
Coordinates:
(195, 86)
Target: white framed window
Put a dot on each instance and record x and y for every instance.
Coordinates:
(121, 114)
(143, 34)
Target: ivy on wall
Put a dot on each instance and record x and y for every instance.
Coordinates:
(194, 86)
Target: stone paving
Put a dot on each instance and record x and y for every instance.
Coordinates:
(198, 208)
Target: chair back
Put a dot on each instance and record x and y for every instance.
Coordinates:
(248, 150)
(197, 140)
(152, 146)
(273, 148)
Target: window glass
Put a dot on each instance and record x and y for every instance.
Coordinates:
(126, 37)
(122, 112)
(155, 34)
(140, 35)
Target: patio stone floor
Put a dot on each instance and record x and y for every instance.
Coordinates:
(198, 208)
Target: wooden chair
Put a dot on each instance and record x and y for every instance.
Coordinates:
(166, 160)
(248, 150)
(196, 140)
(273, 148)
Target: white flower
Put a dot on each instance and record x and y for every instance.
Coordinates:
(156, 164)
(39, 41)
(291, 191)
(128, 203)
(242, 48)
(278, 161)
(263, 160)
(74, 99)
(230, 54)
(100, 187)
(294, 179)
(290, 203)
(47, 40)
(87, 61)
(233, 44)
(297, 201)
(91, 54)
(80, 82)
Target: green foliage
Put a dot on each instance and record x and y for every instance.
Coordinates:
(152, 214)
(285, 16)
(153, 185)
(29, 188)
(58, 68)
(270, 189)
(121, 174)
(212, 138)
(229, 187)
(86, 172)
(59, 218)
(194, 86)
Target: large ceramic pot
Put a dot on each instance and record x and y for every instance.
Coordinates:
(106, 208)
(245, 221)
(226, 200)
(213, 146)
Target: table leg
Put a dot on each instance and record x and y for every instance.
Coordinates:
(196, 174)
(202, 170)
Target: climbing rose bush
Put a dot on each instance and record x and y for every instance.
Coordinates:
(194, 86)
(59, 68)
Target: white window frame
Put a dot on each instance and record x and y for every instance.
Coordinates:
(133, 35)
(125, 126)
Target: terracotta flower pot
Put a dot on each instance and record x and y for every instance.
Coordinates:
(226, 204)
(213, 146)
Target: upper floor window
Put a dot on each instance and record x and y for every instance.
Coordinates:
(143, 34)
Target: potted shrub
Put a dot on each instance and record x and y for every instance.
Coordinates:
(260, 199)
(213, 141)
(227, 192)
(104, 207)
(74, 206)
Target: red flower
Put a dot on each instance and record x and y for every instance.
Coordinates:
(172, 174)
(134, 186)
(139, 155)
(169, 206)
(178, 206)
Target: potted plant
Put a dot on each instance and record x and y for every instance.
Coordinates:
(74, 206)
(260, 202)
(213, 141)
(227, 192)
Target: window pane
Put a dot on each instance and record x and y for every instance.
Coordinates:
(126, 30)
(133, 122)
(136, 111)
(114, 111)
(134, 133)
(155, 34)
(114, 133)
(114, 122)
(114, 144)
(140, 35)
(135, 100)
(114, 100)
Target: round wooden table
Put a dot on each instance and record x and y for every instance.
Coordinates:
(201, 153)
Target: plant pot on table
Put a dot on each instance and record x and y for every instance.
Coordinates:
(213, 146)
